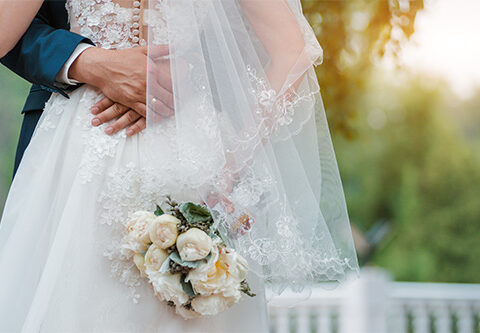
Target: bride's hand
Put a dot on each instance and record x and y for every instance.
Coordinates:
(106, 110)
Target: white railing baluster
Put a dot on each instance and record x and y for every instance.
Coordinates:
(442, 315)
(476, 310)
(421, 322)
(303, 319)
(463, 311)
(375, 304)
(324, 320)
(281, 324)
(398, 322)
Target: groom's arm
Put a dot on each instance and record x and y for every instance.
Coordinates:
(42, 53)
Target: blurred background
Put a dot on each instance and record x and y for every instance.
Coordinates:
(401, 86)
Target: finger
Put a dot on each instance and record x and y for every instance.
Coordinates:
(163, 95)
(157, 51)
(123, 122)
(154, 118)
(140, 108)
(114, 111)
(101, 105)
(163, 75)
(139, 126)
(157, 107)
(214, 199)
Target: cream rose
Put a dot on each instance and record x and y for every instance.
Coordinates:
(139, 261)
(222, 274)
(138, 226)
(212, 305)
(194, 244)
(155, 257)
(163, 230)
(167, 287)
(186, 313)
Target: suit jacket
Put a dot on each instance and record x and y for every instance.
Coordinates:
(38, 57)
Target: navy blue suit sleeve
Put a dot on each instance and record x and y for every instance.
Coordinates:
(42, 52)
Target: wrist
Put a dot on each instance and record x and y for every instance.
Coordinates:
(87, 68)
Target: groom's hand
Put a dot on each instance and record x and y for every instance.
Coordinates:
(122, 77)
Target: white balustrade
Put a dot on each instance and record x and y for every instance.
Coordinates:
(421, 322)
(375, 304)
(397, 318)
(442, 315)
(464, 316)
(323, 323)
(303, 319)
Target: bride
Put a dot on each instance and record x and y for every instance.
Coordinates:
(190, 218)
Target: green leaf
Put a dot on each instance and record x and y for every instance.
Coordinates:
(245, 288)
(194, 213)
(187, 286)
(175, 256)
(159, 211)
(166, 265)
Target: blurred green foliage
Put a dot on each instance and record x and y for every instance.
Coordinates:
(13, 92)
(408, 149)
(416, 165)
(355, 34)
(408, 152)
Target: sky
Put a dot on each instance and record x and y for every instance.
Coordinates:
(447, 43)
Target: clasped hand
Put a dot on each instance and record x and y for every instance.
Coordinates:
(122, 77)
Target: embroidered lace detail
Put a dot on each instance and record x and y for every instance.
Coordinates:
(124, 193)
(53, 110)
(250, 190)
(285, 249)
(127, 190)
(111, 26)
(104, 22)
(276, 111)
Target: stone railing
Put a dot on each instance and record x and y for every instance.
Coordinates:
(375, 304)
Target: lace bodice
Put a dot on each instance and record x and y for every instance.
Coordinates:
(116, 24)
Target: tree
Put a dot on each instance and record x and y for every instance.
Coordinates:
(354, 34)
(416, 169)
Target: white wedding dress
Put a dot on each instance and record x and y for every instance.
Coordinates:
(73, 190)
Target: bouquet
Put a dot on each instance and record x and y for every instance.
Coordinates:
(186, 260)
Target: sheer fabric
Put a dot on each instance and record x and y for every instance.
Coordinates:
(247, 115)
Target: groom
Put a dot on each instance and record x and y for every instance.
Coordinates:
(57, 60)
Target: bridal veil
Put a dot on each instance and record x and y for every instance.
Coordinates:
(252, 135)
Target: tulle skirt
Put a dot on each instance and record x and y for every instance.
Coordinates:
(61, 268)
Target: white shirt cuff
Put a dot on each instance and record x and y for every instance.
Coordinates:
(62, 76)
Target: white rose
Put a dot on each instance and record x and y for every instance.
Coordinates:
(222, 274)
(167, 287)
(155, 257)
(138, 237)
(186, 313)
(163, 230)
(194, 244)
(212, 305)
(139, 261)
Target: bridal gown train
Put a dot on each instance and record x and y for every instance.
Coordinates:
(74, 188)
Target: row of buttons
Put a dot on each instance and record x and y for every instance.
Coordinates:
(136, 23)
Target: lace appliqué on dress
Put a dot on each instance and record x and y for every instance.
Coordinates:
(104, 22)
